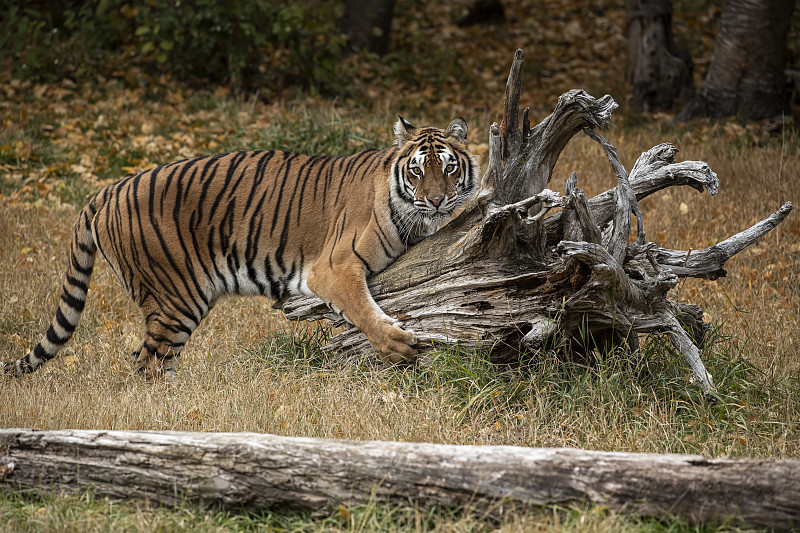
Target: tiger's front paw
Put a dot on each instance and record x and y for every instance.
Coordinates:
(392, 343)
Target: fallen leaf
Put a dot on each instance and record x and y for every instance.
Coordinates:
(344, 514)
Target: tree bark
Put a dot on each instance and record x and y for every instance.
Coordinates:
(659, 73)
(503, 278)
(746, 75)
(368, 24)
(261, 471)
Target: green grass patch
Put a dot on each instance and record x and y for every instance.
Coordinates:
(603, 400)
(294, 351)
(310, 131)
(45, 511)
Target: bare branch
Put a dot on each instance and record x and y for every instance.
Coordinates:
(695, 174)
(625, 201)
(528, 172)
(510, 126)
(493, 167)
(653, 159)
(691, 354)
(526, 125)
(708, 262)
(579, 225)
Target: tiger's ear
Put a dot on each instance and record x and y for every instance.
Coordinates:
(402, 129)
(458, 129)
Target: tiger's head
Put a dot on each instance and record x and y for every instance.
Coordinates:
(432, 175)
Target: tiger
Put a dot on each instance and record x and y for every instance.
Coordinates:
(272, 223)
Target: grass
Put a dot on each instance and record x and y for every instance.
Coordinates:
(44, 512)
(607, 403)
(247, 368)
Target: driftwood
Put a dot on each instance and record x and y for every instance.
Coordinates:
(258, 471)
(504, 278)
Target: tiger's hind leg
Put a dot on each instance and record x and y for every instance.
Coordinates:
(157, 356)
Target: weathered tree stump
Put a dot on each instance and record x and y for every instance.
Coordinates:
(504, 278)
(261, 471)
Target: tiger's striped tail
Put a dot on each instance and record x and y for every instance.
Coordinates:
(73, 298)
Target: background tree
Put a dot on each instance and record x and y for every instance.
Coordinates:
(484, 12)
(746, 74)
(368, 24)
(659, 73)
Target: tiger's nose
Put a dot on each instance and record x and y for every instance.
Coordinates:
(436, 200)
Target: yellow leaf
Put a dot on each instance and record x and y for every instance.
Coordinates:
(23, 149)
(344, 514)
(43, 188)
(70, 360)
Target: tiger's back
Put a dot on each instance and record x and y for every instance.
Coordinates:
(267, 223)
(247, 223)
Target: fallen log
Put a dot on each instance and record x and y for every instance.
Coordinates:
(505, 278)
(263, 471)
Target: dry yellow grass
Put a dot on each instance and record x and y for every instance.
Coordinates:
(230, 380)
(233, 378)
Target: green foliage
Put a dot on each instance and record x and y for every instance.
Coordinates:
(265, 43)
(22, 32)
(315, 132)
(299, 351)
(473, 384)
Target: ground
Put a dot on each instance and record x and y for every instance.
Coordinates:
(248, 369)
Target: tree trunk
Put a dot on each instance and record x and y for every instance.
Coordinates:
(368, 24)
(746, 74)
(502, 278)
(659, 74)
(484, 12)
(261, 471)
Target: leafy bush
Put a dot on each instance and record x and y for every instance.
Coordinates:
(267, 43)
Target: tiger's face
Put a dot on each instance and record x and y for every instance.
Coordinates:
(433, 174)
